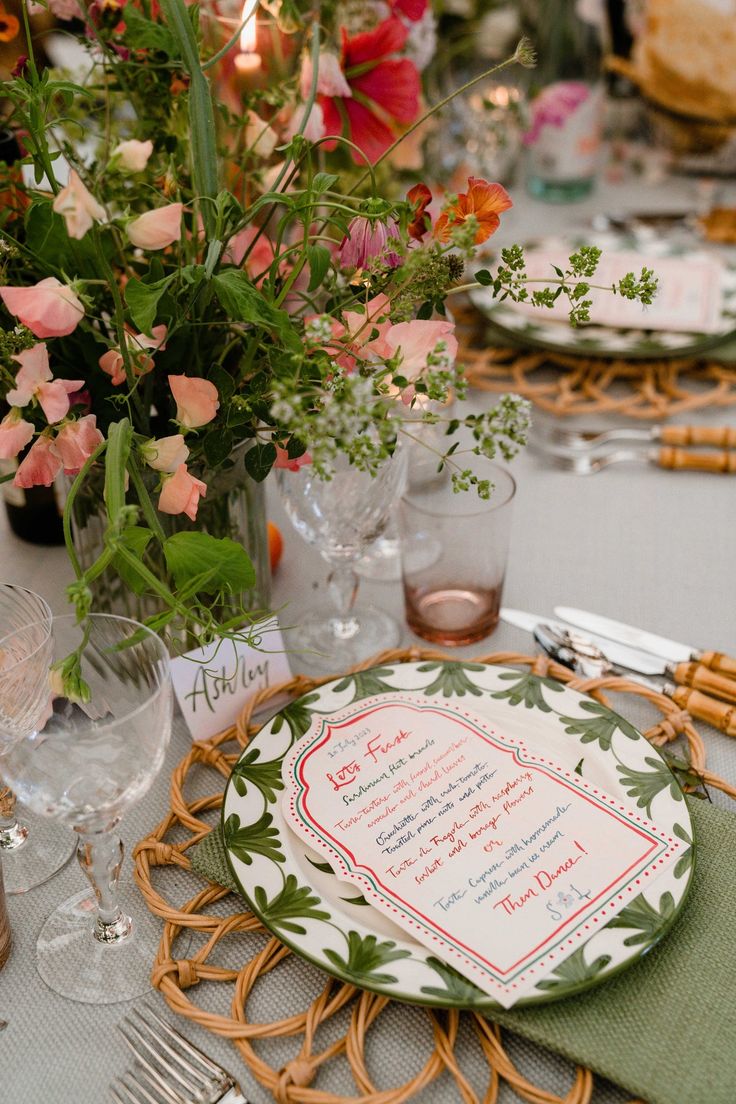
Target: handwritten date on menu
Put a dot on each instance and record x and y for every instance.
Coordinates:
(495, 858)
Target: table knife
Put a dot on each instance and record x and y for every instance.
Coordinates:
(670, 651)
(693, 675)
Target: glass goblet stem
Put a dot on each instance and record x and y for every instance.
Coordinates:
(342, 586)
(12, 832)
(100, 855)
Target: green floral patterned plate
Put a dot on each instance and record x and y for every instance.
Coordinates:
(298, 897)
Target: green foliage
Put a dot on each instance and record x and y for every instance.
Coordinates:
(599, 727)
(452, 679)
(646, 785)
(219, 563)
(455, 988)
(291, 904)
(366, 683)
(527, 690)
(260, 838)
(647, 920)
(298, 716)
(574, 971)
(265, 775)
(365, 958)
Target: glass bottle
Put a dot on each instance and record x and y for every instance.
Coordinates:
(564, 137)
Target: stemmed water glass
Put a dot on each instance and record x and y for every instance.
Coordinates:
(91, 748)
(341, 517)
(31, 848)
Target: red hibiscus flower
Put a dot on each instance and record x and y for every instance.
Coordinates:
(410, 9)
(420, 198)
(384, 90)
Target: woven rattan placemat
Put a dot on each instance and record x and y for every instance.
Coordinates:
(171, 842)
(565, 385)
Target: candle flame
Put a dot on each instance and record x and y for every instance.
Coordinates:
(248, 33)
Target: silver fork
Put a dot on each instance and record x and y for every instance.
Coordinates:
(671, 459)
(168, 1068)
(587, 439)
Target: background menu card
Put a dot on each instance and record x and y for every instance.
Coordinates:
(500, 861)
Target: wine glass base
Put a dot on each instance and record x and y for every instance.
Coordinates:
(73, 963)
(47, 848)
(322, 647)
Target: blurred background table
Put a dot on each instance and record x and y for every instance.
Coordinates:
(650, 547)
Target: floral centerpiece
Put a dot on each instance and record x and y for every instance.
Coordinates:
(193, 281)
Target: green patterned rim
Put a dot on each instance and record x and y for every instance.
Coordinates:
(324, 920)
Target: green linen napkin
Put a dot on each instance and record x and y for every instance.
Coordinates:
(662, 1029)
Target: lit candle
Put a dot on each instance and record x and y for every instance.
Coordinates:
(248, 62)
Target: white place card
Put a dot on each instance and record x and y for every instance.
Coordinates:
(212, 684)
(688, 300)
(500, 861)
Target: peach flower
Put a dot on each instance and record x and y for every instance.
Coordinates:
(158, 228)
(78, 207)
(196, 400)
(285, 462)
(417, 341)
(331, 81)
(40, 467)
(486, 202)
(315, 126)
(258, 136)
(181, 493)
(48, 309)
(76, 441)
(132, 155)
(113, 363)
(15, 433)
(34, 381)
(166, 454)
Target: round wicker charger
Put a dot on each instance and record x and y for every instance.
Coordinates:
(291, 1083)
(643, 389)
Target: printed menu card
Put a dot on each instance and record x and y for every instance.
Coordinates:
(497, 859)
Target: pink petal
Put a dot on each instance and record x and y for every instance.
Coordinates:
(196, 400)
(48, 309)
(41, 465)
(34, 369)
(180, 493)
(15, 433)
(76, 441)
(54, 398)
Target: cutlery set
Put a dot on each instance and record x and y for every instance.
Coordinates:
(703, 683)
(586, 452)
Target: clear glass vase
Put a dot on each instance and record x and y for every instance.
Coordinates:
(233, 507)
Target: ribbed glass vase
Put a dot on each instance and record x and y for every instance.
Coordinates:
(233, 507)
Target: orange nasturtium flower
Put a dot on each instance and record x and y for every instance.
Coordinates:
(9, 25)
(485, 201)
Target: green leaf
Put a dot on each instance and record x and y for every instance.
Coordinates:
(365, 683)
(645, 919)
(255, 839)
(365, 957)
(291, 903)
(243, 302)
(143, 300)
(323, 182)
(685, 860)
(190, 554)
(218, 444)
(646, 785)
(455, 987)
(527, 689)
(259, 460)
(142, 34)
(574, 970)
(298, 716)
(266, 776)
(135, 539)
(600, 727)
(318, 259)
(451, 678)
(484, 278)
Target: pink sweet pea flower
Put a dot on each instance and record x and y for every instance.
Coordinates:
(15, 433)
(40, 467)
(34, 381)
(284, 462)
(366, 331)
(315, 125)
(331, 81)
(260, 257)
(166, 454)
(132, 155)
(112, 361)
(196, 401)
(368, 239)
(76, 441)
(181, 493)
(48, 309)
(78, 207)
(418, 341)
(158, 228)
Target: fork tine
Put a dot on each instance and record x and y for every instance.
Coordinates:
(190, 1048)
(122, 1099)
(141, 1058)
(167, 1094)
(204, 1079)
(142, 1095)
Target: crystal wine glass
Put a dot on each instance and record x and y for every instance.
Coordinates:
(89, 752)
(341, 517)
(31, 848)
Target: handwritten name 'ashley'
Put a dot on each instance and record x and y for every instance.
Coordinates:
(544, 879)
